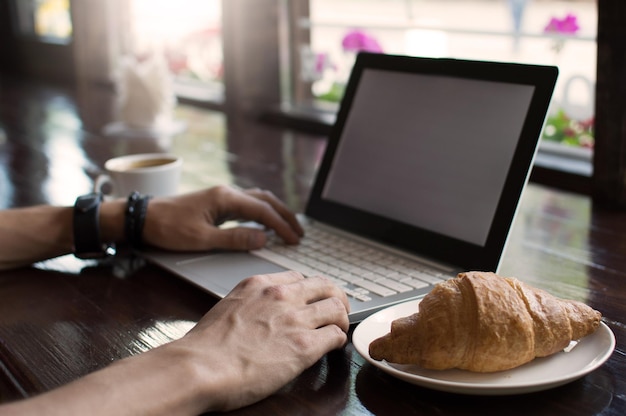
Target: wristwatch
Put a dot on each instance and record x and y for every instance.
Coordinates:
(87, 244)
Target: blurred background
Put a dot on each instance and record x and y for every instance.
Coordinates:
(289, 60)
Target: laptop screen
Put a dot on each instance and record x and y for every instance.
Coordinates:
(431, 155)
(430, 151)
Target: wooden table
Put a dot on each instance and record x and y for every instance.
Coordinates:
(62, 319)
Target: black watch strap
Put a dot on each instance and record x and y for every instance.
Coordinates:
(87, 243)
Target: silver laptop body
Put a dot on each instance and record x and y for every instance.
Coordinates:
(425, 164)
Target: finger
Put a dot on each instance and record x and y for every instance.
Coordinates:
(330, 337)
(238, 238)
(248, 207)
(322, 288)
(318, 287)
(280, 207)
(312, 344)
(286, 277)
(272, 279)
(329, 311)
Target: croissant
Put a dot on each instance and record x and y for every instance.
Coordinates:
(482, 322)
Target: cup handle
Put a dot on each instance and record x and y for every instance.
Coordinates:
(104, 184)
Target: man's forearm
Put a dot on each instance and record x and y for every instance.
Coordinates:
(160, 382)
(32, 234)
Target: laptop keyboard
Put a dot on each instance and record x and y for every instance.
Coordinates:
(361, 270)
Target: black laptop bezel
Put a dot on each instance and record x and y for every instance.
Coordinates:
(428, 244)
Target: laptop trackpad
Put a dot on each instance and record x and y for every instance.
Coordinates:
(219, 273)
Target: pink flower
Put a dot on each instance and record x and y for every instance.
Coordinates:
(357, 40)
(567, 25)
(322, 62)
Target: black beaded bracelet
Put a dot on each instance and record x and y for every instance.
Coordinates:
(135, 218)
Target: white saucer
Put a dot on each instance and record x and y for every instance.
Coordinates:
(540, 374)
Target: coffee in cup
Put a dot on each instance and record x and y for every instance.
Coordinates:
(156, 174)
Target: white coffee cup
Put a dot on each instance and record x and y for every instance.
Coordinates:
(156, 174)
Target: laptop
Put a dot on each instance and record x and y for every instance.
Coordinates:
(424, 168)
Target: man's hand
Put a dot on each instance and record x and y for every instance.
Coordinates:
(267, 331)
(190, 222)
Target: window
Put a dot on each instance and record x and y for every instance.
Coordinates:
(188, 33)
(39, 36)
(548, 32)
(46, 20)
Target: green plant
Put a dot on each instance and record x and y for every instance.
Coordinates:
(562, 129)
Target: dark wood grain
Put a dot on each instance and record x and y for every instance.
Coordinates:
(64, 318)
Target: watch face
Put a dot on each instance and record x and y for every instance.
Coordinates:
(87, 202)
(87, 244)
